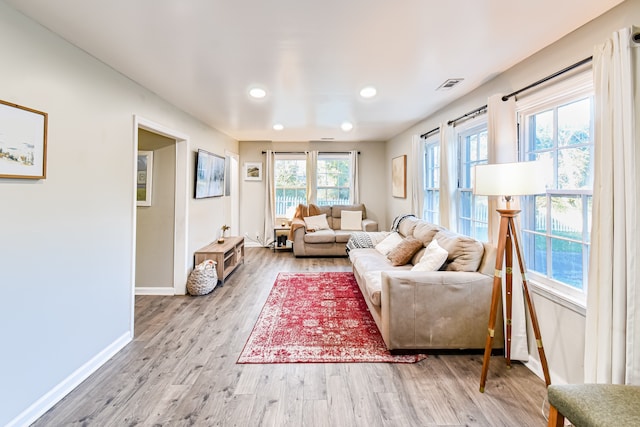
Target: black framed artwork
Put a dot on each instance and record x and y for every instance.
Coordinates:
(209, 175)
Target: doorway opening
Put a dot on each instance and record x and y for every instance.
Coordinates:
(180, 224)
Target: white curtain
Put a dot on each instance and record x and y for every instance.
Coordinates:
(502, 134)
(448, 176)
(417, 175)
(355, 183)
(269, 198)
(612, 342)
(312, 164)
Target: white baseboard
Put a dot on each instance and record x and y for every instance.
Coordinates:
(252, 244)
(535, 366)
(155, 290)
(46, 402)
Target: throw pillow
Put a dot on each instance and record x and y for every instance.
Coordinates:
(465, 253)
(433, 258)
(389, 242)
(316, 222)
(402, 254)
(351, 220)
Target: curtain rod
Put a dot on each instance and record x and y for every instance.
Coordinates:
(552, 76)
(431, 132)
(477, 111)
(304, 152)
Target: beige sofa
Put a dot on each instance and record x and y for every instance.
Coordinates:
(445, 309)
(331, 242)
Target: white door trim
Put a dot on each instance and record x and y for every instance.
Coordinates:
(181, 217)
(234, 175)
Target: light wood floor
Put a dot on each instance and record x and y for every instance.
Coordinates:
(181, 370)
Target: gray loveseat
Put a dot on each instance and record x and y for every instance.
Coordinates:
(329, 242)
(443, 309)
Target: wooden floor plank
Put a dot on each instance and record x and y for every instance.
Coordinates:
(315, 384)
(181, 369)
(315, 413)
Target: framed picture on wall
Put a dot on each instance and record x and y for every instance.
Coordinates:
(399, 176)
(144, 178)
(209, 175)
(23, 142)
(253, 171)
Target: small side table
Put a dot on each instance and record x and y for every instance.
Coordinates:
(280, 235)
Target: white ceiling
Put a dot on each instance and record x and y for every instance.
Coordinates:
(312, 57)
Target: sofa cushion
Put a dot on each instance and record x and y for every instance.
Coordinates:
(336, 210)
(336, 214)
(488, 264)
(389, 242)
(425, 231)
(407, 225)
(316, 222)
(403, 252)
(320, 236)
(373, 284)
(351, 220)
(465, 253)
(342, 236)
(418, 256)
(433, 258)
(369, 259)
(327, 211)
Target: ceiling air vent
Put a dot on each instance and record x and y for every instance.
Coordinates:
(449, 84)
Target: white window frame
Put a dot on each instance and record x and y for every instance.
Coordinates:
(431, 179)
(472, 127)
(335, 156)
(315, 185)
(297, 157)
(570, 89)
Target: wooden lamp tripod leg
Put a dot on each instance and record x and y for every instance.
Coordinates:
(508, 255)
(532, 311)
(507, 238)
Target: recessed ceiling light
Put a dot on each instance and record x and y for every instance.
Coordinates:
(346, 126)
(257, 92)
(278, 126)
(368, 92)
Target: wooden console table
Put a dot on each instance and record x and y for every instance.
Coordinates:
(227, 255)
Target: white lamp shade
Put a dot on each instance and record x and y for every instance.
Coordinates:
(511, 179)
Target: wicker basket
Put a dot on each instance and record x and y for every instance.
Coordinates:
(203, 278)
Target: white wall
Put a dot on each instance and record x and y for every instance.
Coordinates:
(67, 241)
(372, 179)
(562, 328)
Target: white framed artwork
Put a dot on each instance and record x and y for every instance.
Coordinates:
(144, 178)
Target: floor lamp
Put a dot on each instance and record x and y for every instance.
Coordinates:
(507, 180)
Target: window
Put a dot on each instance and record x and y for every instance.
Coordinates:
(431, 205)
(333, 179)
(472, 210)
(290, 174)
(333, 183)
(556, 225)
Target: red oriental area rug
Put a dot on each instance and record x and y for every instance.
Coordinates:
(317, 318)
